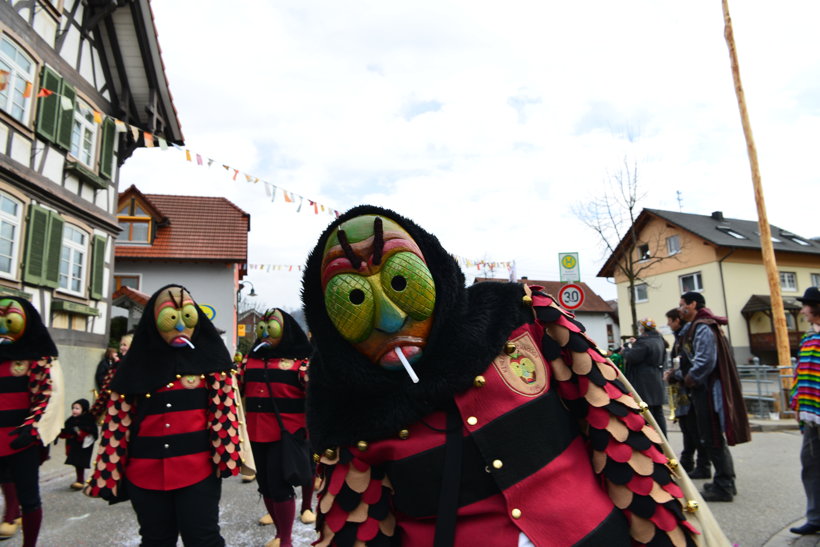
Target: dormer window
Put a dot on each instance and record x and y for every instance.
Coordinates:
(135, 223)
(729, 231)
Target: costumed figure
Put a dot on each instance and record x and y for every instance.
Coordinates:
(273, 379)
(31, 399)
(443, 415)
(108, 368)
(79, 432)
(173, 425)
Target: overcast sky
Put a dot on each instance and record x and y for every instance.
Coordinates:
(485, 122)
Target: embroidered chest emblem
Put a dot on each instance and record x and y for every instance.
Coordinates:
(19, 368)
(523, 370)
(191, 381)
(286, 364)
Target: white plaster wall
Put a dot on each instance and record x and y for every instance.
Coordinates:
(45, 26)
(71, 43)
(87, 192)
(72, 183)
(4, 135)
(99, 76)
(101, 199)
(21, 149)
(86, 69)
(54, 164)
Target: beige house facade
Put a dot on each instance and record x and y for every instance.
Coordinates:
(721, 259)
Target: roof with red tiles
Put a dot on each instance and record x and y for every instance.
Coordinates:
(128, 294)
(191, 228)
(593, 303)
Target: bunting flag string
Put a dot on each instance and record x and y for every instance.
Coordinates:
(464, 262)
(151, 140)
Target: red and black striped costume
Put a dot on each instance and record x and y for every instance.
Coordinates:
(172, 438)
(556, 451)
(25, 390)
(281, 379)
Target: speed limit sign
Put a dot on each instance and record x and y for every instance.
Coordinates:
(571, 296)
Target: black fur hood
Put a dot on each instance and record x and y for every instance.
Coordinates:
(35, 343)
(293, 345)
(351, 399)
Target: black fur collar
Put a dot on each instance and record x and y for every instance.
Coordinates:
(350, 399)
(293, 345)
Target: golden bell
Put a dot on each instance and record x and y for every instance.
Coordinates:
(643, 406)
(404, 434)
(691, 506)
(316, 458)
(672, 463)
(330, 454)
(479, 381)
(361, 445)
(527, 300)
(509, 348)
(147, 395)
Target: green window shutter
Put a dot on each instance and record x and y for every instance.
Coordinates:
(37, 230)
(54, 247)
(48, 108)
(98, 268)
(107, 149)
(63, 137)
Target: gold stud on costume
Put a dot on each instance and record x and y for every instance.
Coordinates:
(316, 458)
(479, 381)
(516, 513)
(509, 348)
(643, 406)
(361, 445)
(179, 376)
(691, 506)
(330, 454)
(472, 420)
(404, 434)
(672, 463)
(527, 300)
(498, 464)
(147, 395)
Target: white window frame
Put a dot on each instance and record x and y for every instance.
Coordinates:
(641, 255)
(638, 298)
(670, 248)
(17, 80)
(73, 254)
(815, 279)
(84, 127)
(788, 281)
(698, 282)
(15, 222)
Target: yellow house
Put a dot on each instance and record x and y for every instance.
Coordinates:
(720, 258)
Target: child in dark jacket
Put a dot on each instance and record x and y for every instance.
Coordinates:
(79, 432)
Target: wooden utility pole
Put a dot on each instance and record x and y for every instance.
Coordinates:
(778, 313)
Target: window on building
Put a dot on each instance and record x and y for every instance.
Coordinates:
(673, 245)
(135, 223)
(691, 282)
(126, 280)
(16, 80)
(641, 293)
(10, 215)
(788, 281)
(84, 135)
(72, 259)
(729, 231)
(815, 280)
(643, 252)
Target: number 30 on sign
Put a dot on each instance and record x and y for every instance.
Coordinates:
(571, 296)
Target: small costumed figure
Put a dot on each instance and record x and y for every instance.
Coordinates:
(79, 432)
(173, 426)
(274, 374)
(445, 415)
(31, 398)
(105, 373)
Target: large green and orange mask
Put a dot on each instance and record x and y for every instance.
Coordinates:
(378, 290)
(12, 321)
(176, 316)
(270, 328)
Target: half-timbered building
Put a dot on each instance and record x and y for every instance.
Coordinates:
(82, 85)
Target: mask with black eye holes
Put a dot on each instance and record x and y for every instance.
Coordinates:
(269, 329)
(176, 317)
(379, 292)
(12, 321)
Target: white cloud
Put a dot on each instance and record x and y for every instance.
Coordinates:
(484, 123)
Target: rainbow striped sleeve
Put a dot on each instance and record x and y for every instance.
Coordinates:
(807, 378)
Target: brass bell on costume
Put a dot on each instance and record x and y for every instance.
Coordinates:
(362, 446)
(691, 506)
(330, 454)
(509, 348)
(479, 381)
(404, 434)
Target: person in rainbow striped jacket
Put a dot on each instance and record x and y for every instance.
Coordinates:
(806, 403)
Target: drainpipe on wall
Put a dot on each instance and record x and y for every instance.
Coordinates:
(723, 289)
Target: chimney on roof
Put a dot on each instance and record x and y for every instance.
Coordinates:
(718, 215)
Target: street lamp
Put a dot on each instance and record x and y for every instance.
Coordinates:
(238, 300)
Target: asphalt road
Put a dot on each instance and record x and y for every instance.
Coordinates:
(770, 499)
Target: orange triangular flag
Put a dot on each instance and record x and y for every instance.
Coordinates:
(287, 198)
(42, 93)
(97, 117)
(149, 139)
(188, 155)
